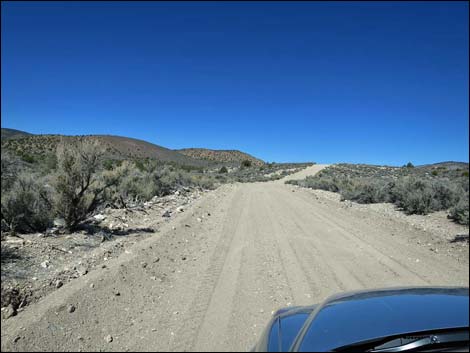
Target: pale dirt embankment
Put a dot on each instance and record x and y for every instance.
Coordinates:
(212, 283)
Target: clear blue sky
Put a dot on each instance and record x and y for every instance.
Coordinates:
(382, 83)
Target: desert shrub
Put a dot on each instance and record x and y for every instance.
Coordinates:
(322, 183)
(223, 170)
(80, 186)
(328, 184)
(409, 165)
(246, 163)
(167, 180)
(413, 193)
(10, 165)
(135, 185)
(49, 162)
(144, 180)
(204, 182)
(416, 202)
(108, 164)
(26, 206)
(27, 158)
(365, 191)
(222, 178)
(416, 196)
(130, 185)
(460, 212)
(187, 168)
(445, 194)
(140, 165)
(268, 172)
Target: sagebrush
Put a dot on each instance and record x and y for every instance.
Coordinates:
(414, 190)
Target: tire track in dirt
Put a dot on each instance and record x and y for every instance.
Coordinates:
(351, 252)
(263, 286)
(316, 253)
(289, 242)
(199, 309)
(292, 267)
(353, 230)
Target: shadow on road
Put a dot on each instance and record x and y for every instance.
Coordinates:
(9, 254)
(460, 238)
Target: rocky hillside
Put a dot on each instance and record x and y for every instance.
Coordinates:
(32, 147)
(221, 156)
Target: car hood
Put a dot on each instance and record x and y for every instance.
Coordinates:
(359, 316)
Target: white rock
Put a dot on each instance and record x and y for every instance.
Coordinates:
(59, 222)
(99, 217)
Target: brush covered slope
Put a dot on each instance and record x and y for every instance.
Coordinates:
(39, 147)
(221, 156)
(13, 134)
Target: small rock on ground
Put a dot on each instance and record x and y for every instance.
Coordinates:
(8, 312)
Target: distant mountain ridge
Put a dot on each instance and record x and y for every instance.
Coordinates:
(221, 156)
(22, 142)
(12, 133)
(25, 144)
(446, 164)
(117, 147)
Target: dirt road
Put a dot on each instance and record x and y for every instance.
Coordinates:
(210, 279)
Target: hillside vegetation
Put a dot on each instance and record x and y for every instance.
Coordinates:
(52, 180)
(221, 156)
(42, 147)
(12, 133)
(415, 190)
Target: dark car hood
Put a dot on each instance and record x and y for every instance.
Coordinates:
(363, 315)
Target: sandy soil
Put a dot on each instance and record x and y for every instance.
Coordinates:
(212, 282)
